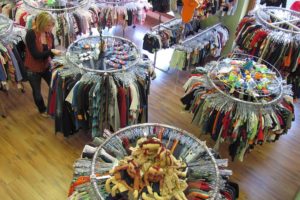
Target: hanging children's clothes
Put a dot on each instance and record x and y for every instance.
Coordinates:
(196, 51)
(11, 54)
(97, 102)
(281, 49)
(152, 43)
(202, 181)
(168, 34)
(112, 16)
(70, 24)
(178, 60)
(206, 8)
(122, 13)
(230, 116)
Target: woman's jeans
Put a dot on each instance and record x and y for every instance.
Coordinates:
(35, 80)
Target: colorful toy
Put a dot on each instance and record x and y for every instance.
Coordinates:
(247, 76)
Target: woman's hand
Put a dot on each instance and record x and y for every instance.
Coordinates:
(56, 52)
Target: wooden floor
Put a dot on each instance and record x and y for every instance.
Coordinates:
(36, 164)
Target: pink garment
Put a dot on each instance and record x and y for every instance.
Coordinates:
(296, 6)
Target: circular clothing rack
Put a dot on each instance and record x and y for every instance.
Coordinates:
(241, 100)
(279, 19)
(115, 2)
(168, 135)
(246, 75)
(6, 26)
(84, 53)
(56, 6)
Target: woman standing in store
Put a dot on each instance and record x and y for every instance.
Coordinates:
(39, 51)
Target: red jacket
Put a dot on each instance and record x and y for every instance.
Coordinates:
(34, 64)
(296, 6)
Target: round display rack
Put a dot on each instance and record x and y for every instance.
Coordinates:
(84, 53)
(56, 5)
(279, 18)
(115, 2)
(246, 79)
(168, 135)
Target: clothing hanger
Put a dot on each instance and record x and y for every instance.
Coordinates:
(117, 82)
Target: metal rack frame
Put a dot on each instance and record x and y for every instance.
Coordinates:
(294, 17)
(82, 4)
(115, 3)
(121, 3)
(93, 175)
(66, 10)
(275, 100)
(6, 21)
(104, 71)
(157, 28)
(165, 26)
(200, 33)
(197, 36)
